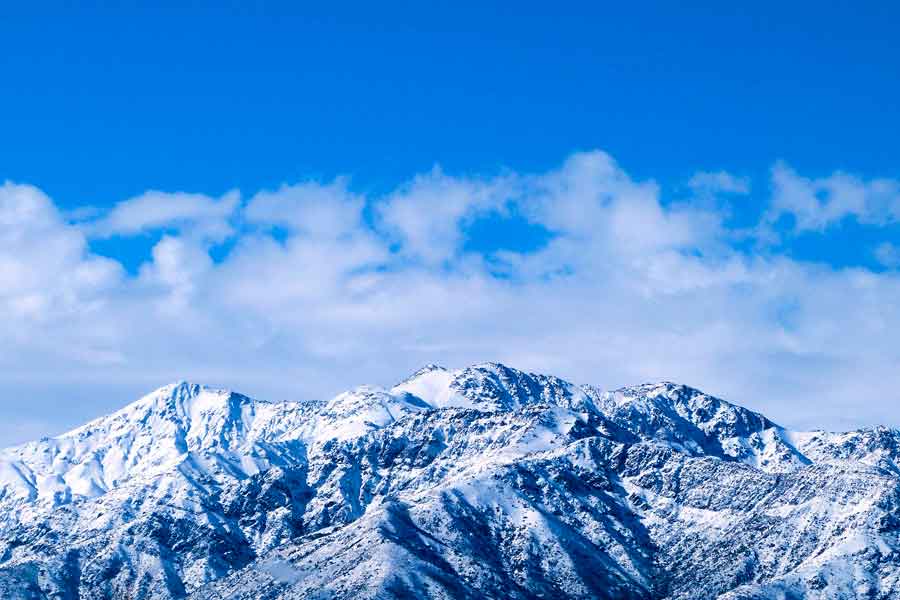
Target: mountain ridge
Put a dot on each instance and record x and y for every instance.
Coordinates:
(485, 481)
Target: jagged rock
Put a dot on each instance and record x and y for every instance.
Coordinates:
(484, 482)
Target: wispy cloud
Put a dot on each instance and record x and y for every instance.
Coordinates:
(426, 216)
(888, 255)
(719, 182)
(815, 204)
(311, 208)
(155, 210)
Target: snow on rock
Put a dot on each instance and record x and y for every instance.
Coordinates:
(483, 482)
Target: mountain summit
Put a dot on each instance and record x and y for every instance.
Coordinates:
(483, 482)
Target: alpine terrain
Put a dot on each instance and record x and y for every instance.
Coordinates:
(484, 482)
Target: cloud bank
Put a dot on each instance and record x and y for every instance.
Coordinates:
(322, 288)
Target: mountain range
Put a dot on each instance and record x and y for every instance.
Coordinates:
(482, 482)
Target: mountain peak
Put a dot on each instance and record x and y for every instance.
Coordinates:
(428, 368)
(181, 402)
(198, 490)
(492, 366)
(183, 389)
(656, 388)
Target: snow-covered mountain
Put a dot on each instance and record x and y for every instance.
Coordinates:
(484, 482)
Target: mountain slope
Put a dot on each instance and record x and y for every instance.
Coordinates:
(479, 482)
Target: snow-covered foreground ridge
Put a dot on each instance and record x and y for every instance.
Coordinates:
(485, 482)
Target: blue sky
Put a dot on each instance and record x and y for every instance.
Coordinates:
(186, 157)
(103, 103)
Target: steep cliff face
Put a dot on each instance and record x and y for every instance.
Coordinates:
(479, 482)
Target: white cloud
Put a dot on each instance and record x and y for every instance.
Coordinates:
(628, 289)
(310, 208)
(888, 255)
(45, 269)
(426, 215)
(719, 182)
(815, 204)
(153, 210)
(177, 270)
(53, 292)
